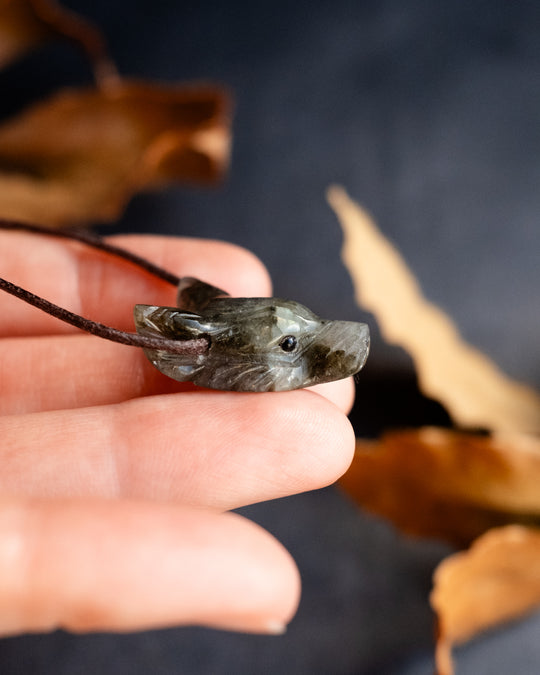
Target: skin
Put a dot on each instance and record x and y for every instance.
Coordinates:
(116, 480)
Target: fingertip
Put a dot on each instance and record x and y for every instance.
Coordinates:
(336, 445)
(340, 393)
(250, 278)
(271, 582)
(229, 266)
(325, 446)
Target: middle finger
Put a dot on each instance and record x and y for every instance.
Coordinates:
(220, 450)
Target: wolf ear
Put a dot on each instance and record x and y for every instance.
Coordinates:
(194, 295)
(168, 322)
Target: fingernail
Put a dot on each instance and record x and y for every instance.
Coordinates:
(276, 627)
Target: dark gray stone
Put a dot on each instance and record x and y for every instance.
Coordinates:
(255, 344)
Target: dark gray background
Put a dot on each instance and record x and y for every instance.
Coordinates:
(428, 113)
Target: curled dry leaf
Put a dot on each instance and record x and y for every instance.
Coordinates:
(80, 155)
(472, 388)
(26, 24)
(442, 483)
(498, 579)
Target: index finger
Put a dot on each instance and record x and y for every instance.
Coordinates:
(105, 288)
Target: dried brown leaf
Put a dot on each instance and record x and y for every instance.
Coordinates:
(27, 24)
(441, 483)
(20, 29)
(80, 155)
(472, 388)
(496, 580)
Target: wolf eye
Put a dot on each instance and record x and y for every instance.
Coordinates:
(288, 343)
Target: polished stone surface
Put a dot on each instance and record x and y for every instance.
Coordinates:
(255, 344)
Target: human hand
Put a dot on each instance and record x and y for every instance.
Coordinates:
(116, 481)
